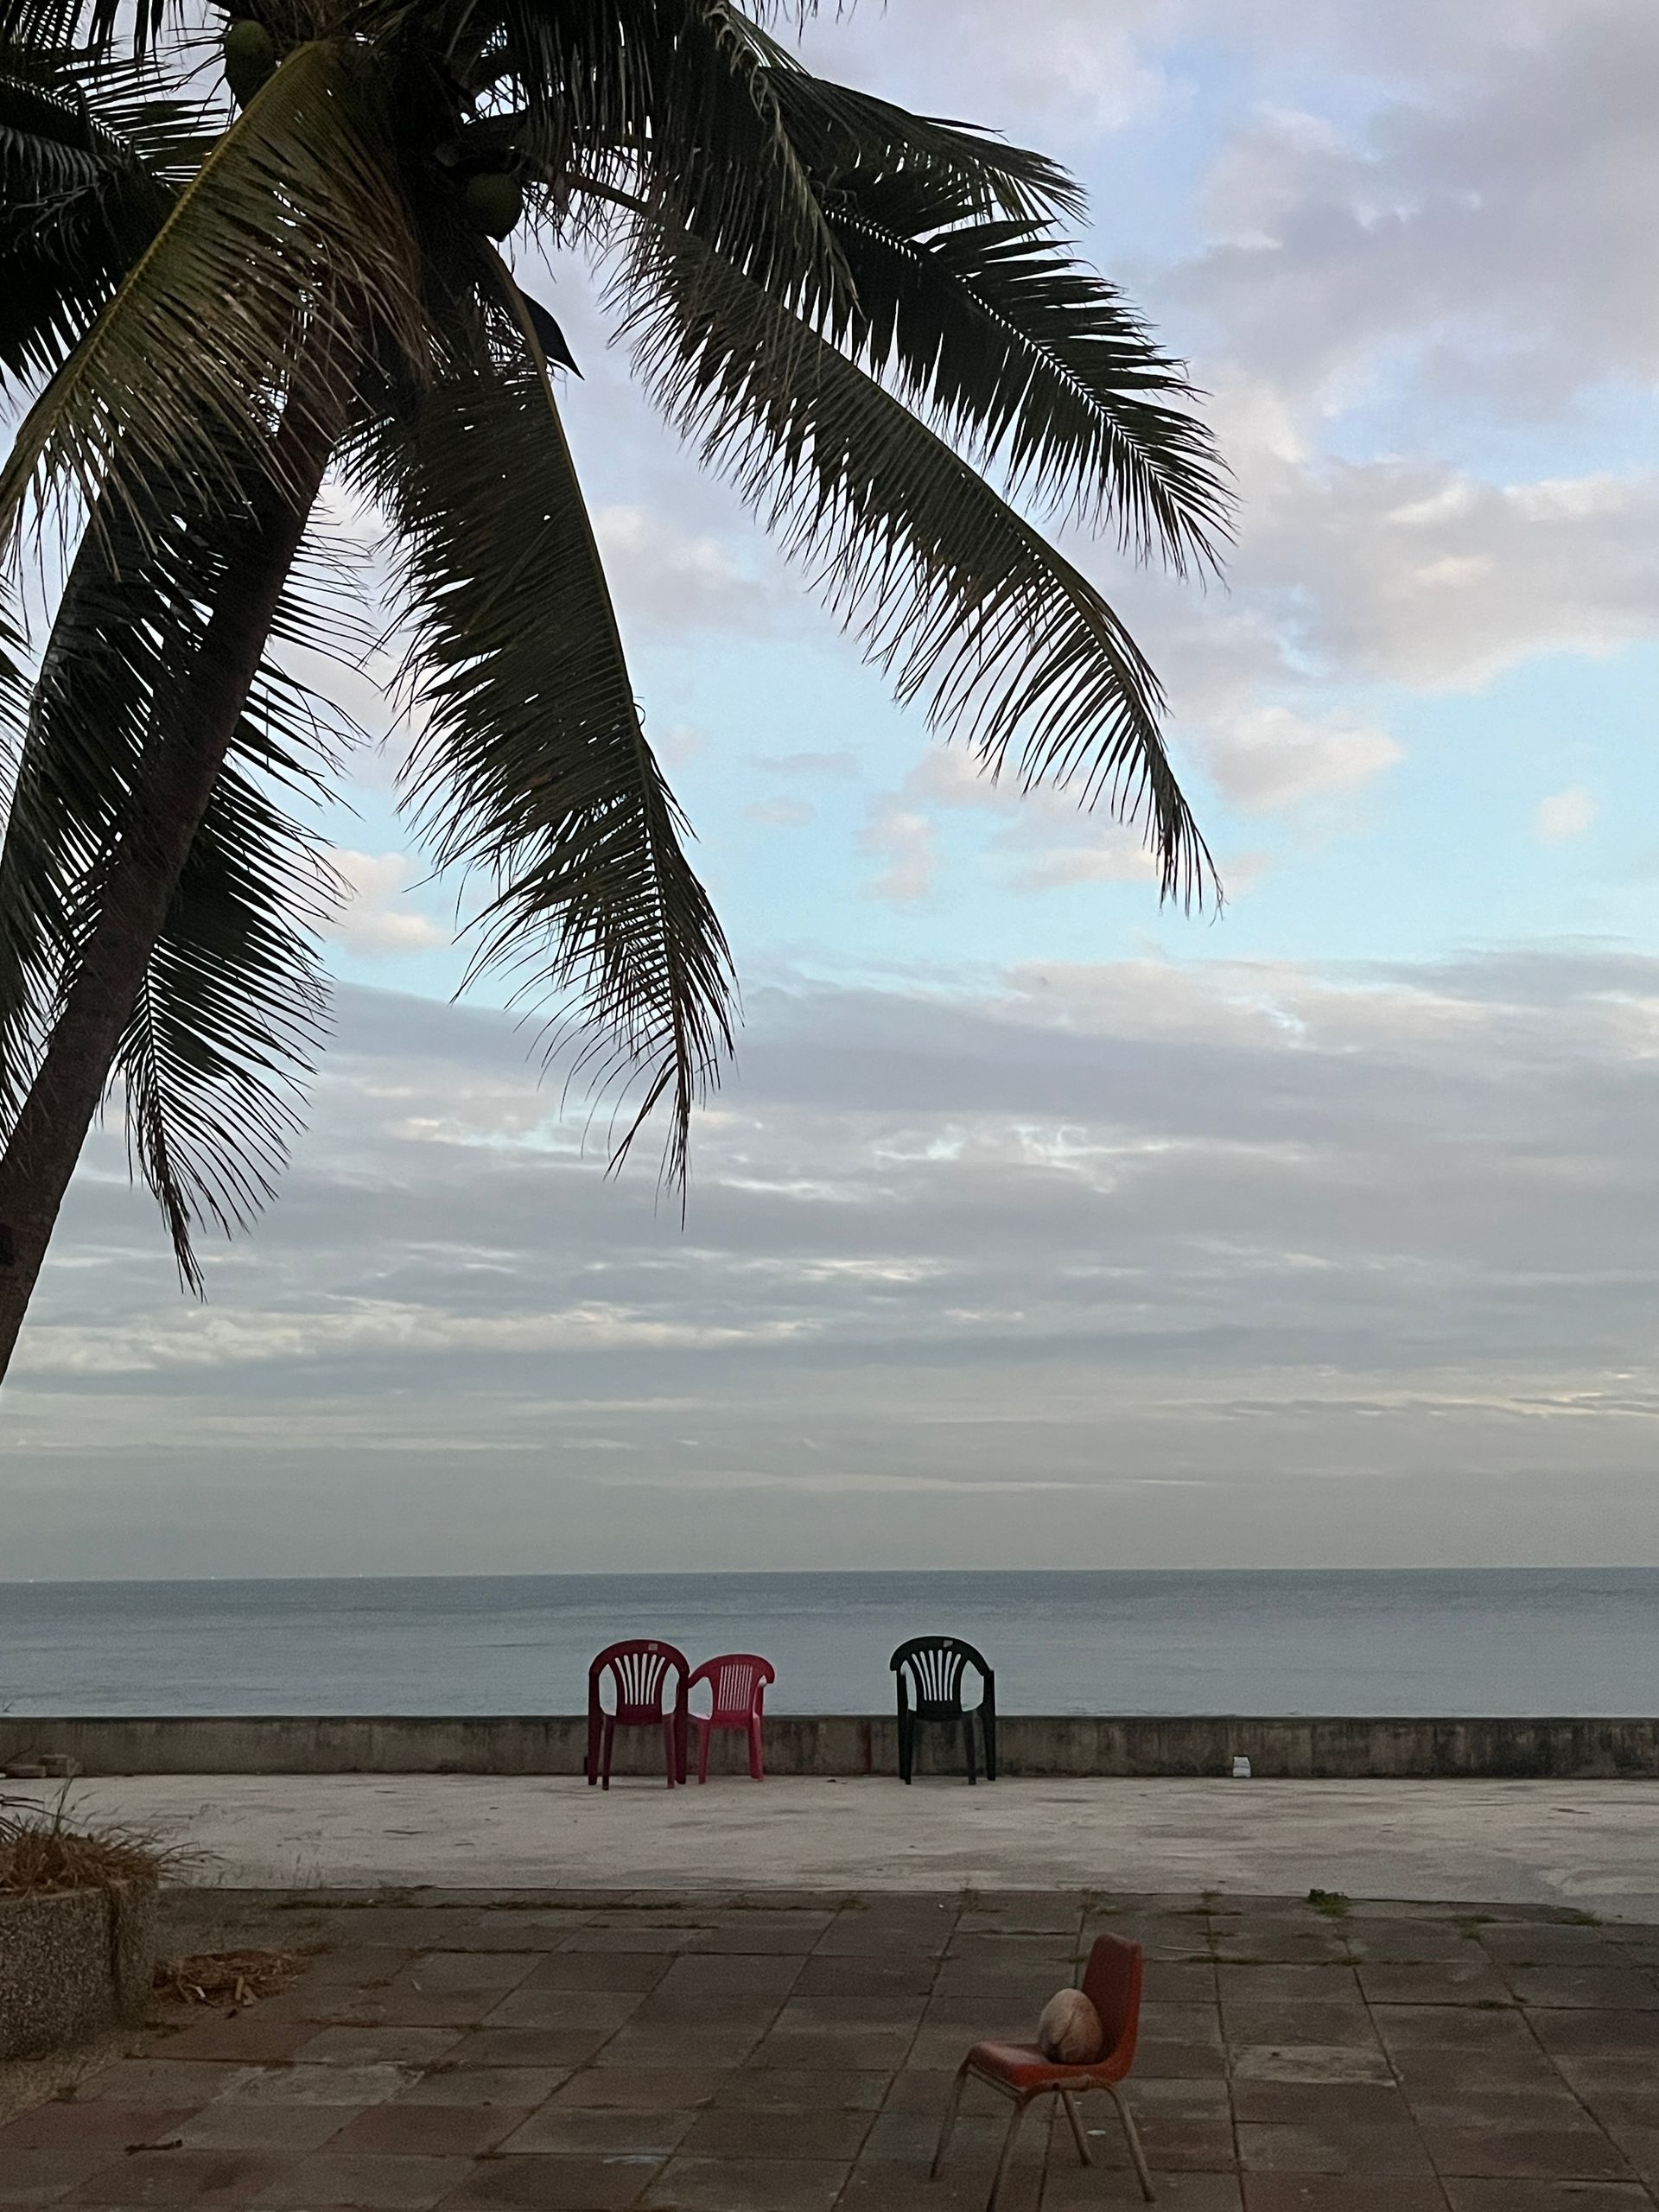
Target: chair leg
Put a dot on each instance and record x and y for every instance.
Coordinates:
(606, 1741)
(757, 1762)
(1132, 2137)
(671, 1751)
(1008, 2141)
(988, 1726)
(705, 1730)
(950, 2111)
(906, 1745)
(967, 1747)
(1077, 2135)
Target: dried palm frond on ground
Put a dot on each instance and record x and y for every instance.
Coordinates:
(229, 1977)
(41, 1852)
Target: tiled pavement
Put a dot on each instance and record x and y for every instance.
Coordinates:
(791, 2054)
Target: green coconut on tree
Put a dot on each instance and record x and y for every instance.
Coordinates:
(248, 53)
(495, 201)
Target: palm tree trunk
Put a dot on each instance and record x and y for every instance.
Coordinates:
(168, 807)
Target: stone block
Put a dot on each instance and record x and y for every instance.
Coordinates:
(72, 1962)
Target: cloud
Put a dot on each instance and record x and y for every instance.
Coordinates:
(1487, 212)
(1564, 815)
(678, 745)
(1045, 839)
(1363, 1257)
(1063, 68)
(671, 582)
(1427, 225)
(1272, 758)
(1414, 572)
(1390, 572)
(837, 764)
(1115, 855)
(901, 837)
(781, 813)
(195, 1337)
(373, 923)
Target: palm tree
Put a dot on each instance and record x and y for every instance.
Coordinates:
(213, 295)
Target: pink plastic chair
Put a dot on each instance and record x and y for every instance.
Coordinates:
(641, 1675)
(738, 1680)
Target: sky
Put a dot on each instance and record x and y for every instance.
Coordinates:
(1036, 1225)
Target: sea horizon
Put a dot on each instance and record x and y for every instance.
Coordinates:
(1439, 1641)
(779, 1574)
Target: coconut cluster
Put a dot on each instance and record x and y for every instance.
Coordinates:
(492, 200)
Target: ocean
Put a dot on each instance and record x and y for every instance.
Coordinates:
(1499, 1641)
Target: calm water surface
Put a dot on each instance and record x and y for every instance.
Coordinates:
(1502, 1641)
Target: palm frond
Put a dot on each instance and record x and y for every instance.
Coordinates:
(677, 99)
(837, 130)
(221, 1037)
(15, 682)
(534, 768)
(91, 161)
(14, 688)
(129, 110)
(89, 26)
(1025, 359)
(81, 732)
(290, 244)
(232, 1009)
(949, 588)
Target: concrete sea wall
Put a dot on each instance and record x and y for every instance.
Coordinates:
(854, 1744)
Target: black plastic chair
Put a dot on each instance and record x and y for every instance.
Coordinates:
(929, 1670)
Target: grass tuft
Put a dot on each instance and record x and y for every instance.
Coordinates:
(42, 1853)
(1333, 1903)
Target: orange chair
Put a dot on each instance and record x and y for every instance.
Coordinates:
(1112, 1985)
(738, 1683)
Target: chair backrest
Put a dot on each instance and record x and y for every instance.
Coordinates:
(1111, 1982)
(931, 1667)
(738, 1681)
(639, 1670)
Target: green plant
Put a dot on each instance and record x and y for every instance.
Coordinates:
(1333, 1903)
(871, 322)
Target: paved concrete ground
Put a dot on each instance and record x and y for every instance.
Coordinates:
(1586, 1844)
(485, 2051)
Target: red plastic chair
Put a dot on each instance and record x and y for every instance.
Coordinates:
(738, 1680)
(1111, 1982)
(641, 1673)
